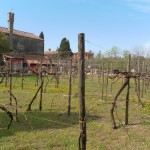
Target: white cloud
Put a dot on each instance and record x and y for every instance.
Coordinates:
(140, 5)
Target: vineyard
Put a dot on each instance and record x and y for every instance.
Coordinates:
(40, 109)
(69, 104)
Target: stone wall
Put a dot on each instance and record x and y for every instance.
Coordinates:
(27, 45)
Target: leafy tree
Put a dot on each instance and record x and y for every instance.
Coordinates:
(99, 55)
(64, 49)
(126, 54)
(41, 35)
(113, 52)
(4, 46)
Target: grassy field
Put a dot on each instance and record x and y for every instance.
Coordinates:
(52, 129)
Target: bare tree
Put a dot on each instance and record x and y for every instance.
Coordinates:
(139, 50)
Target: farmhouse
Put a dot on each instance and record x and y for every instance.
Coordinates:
(20, 41)
(18, 61)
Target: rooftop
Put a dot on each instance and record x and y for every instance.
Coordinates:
(20, 33)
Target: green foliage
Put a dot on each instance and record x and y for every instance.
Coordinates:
(126, 54)
(4, 46)
(115, 57)
(41, 35)
(64, 49)
(113, 52)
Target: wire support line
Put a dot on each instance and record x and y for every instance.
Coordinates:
(53, 121)
(97, 45)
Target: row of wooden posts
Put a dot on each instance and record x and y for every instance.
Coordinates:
(81, 91)
(81, 71)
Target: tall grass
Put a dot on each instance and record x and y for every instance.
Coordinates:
(52, 129)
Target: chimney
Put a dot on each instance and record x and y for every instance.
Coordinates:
(10, 28)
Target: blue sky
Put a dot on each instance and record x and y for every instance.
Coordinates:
(106, 23)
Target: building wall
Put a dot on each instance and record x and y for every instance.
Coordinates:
(28, 45)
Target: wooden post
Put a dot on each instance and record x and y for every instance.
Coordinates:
(70, 88)
(7, 73)
(99, 75)
(103, 81)
(138, 85)
(111, 80)
(143, 80)
(10, 81)
(107, 80)
(81, 72)
(41, 90)
(37, 74)
(22, 74)
(92, 70)
(57, 81)
(128, 89)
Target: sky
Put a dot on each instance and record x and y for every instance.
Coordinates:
(105, 23)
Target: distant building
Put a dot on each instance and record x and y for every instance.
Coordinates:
(87, 56)
(23, 60)
(20, 41)
(54, 55)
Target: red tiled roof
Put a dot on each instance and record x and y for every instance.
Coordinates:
(20, 33)
(25, 56)
(53, 55)
(31, 59)
(50, 52)
(84, 53)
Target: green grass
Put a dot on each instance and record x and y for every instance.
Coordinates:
(52, 129)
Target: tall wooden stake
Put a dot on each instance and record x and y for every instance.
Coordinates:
(81, 71)
(143, 80)
(41, 90)
(138, 85)
(103, 81)
(10, 83)
(111, 80)
(7, 74)
(70, 88)
(107, 80)
(128, 89)
(22, 74)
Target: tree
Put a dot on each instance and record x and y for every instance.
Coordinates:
(125, 54)
(64, 50)
(99, 55)
(139, 50)
(113, 52)
(41, 35)
(4, 46)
